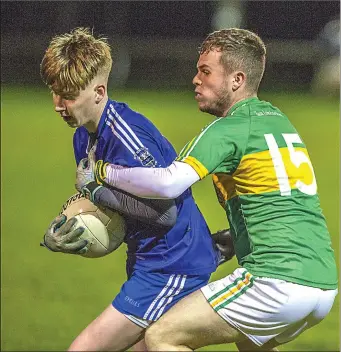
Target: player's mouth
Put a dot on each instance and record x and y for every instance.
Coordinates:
(67, 118)
(197, 96)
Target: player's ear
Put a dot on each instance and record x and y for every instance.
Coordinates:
(239, 79)
(100, 91)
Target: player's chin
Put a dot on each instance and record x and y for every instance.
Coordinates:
(73, 124)
(204, 107)
(210, 110)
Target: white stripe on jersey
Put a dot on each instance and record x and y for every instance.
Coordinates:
(128, 137)
(124, 133)
(120, 138)
(200, 135)
(125, 125)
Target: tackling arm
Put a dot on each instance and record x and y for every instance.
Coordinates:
(166, 183)
(90, 182)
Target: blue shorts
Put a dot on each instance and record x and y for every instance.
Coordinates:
(146, 296)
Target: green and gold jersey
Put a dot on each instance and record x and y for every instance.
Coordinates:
(265, 181)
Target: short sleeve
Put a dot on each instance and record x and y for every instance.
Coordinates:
(219, 147)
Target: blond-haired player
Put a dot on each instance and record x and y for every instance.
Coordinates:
(166, 259)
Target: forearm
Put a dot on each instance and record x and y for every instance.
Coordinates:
(166, 183)
(151, 211)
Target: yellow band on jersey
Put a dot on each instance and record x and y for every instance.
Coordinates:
(197, 166)
(256, 175)
(225, 187)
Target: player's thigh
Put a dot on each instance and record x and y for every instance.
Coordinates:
(140, 346)
(110, 331)
(191, 322)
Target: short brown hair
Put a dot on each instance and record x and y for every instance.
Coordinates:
(73, 59)
(241, 50)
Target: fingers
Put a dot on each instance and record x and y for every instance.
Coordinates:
(83, 251)
(224, 242)
(222, 237)
(89, 162)
(67, 227)
(78, 247)
(222, 249)
(78, 187)
(83, 164)
(61, 219)
(73, 235)
(61, 238)
(92, 157)
(226, 251)
(57, 223)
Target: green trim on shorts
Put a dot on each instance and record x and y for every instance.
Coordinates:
(231, 292)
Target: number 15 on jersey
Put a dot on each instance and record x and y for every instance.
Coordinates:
(285, 172)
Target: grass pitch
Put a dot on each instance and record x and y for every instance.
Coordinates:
(48, 298)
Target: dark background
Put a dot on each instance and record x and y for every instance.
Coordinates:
(167, 19)
(156, 41)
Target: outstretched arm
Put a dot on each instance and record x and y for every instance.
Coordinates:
(151, 211)
(166, 183)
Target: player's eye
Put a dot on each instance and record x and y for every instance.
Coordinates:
(68, 97)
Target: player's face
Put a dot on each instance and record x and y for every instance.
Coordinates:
(78, 111)
(213, 86)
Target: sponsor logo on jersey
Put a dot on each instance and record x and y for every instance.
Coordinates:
(145, 158)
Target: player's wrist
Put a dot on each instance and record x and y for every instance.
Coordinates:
(89, 190)
(100, 172)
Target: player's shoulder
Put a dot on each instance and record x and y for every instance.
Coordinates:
(264, 108)
(129, 122)
(253, 107)
(122, 113)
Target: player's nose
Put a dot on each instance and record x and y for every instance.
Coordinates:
(58, 102)
(196, 81)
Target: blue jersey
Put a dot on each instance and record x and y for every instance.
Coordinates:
(127, 138)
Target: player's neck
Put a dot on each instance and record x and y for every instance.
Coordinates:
(239, 98)
(92, 125)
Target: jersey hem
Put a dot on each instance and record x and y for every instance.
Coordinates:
(294, 280)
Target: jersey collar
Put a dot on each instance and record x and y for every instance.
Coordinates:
(240, 104)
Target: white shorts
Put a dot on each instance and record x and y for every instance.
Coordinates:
(264, 308)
